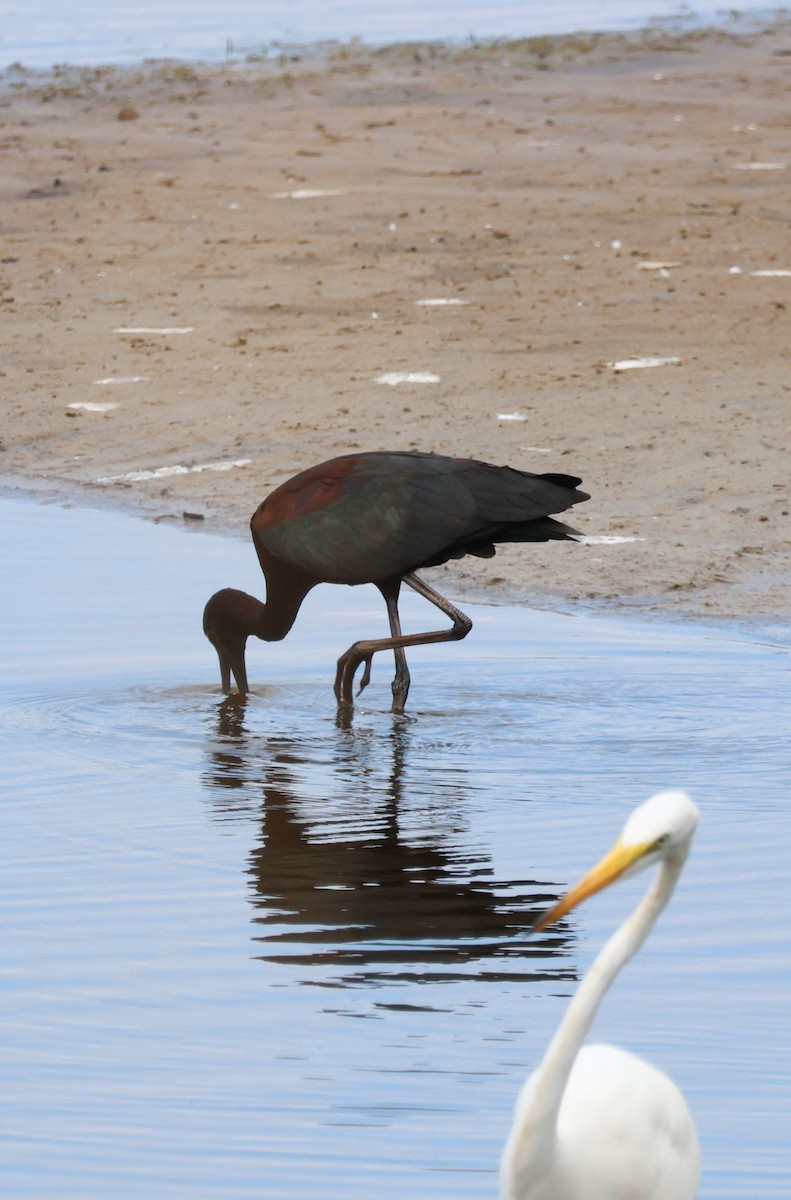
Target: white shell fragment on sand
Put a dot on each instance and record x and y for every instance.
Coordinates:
(605, 539)
(440, 302)
(165, 472)
(635, 364)
(87, 406)
(514, 416)
(760, 166)
(394, 378)
(154, 329)
(651, 265)
(111, 380)
(780, 273)
(308, 194)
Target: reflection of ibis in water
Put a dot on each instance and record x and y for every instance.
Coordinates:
(377, 518)
(353, 877)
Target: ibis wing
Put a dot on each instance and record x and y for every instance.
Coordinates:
(367, 517)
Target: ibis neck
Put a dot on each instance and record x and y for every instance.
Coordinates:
(275, 618)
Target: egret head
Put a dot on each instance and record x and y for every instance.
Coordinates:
(662, 825)
(660, 829)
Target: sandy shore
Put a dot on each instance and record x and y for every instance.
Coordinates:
(286, 222)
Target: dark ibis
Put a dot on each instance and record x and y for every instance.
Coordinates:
(377, 518)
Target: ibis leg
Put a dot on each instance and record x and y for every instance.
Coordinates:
(400, 684)
(363, 651)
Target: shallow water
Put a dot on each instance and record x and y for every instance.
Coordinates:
(43, 32)
(247, 952)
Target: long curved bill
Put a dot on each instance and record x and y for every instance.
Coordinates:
(232, 663)
(611, 867)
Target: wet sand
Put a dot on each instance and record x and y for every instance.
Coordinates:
(283, 221)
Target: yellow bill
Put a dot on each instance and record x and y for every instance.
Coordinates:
(611, 867)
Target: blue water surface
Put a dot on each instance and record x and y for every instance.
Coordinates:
(249, 951)
(41, 33)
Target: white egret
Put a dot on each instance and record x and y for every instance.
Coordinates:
(595, 1122)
